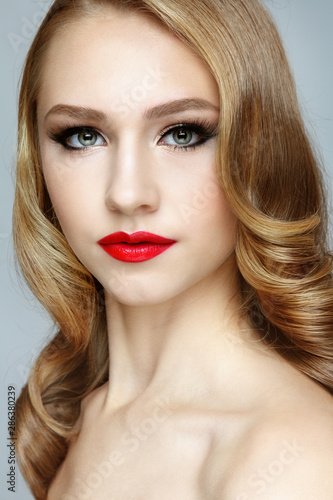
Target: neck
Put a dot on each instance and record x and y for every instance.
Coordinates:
(188, 346)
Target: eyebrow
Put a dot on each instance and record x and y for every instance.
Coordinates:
(76, 112)
(177, 106)
(164, 109)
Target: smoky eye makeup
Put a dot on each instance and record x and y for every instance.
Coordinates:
(77, 138)
(183, 136)
(189, 135)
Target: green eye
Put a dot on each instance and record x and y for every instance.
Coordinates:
(182, 136)
(87, 138)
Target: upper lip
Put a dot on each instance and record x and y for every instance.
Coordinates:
(138, 237)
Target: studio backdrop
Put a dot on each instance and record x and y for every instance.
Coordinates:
(306, 28)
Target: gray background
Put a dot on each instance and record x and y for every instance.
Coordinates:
(306, 27)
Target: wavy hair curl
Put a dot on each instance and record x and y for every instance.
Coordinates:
(271, 180)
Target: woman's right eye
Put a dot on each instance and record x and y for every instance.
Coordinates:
(78, 138)
(85, 139)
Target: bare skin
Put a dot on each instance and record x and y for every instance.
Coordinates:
(272, 441)
(196, 407)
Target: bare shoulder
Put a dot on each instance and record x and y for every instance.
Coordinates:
(286, 456)
(90, 406)
(94, 399)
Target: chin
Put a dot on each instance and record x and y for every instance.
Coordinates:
(138, 294)
(137, 300)
(135, 294)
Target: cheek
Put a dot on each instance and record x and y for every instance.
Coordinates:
(73, 181)
(72, 197)
(219, 224)
(214, 219)
(202, 203)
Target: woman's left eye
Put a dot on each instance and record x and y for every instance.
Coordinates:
(181, 136)
(187, 136)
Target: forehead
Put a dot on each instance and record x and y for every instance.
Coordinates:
(111, 54)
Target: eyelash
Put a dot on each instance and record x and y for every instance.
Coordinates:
(203, 128)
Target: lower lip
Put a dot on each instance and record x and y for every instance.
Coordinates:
(139, 252)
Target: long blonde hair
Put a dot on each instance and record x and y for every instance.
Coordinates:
(268, 173)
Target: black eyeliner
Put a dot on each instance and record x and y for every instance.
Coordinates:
(61, 134)
(203, 128)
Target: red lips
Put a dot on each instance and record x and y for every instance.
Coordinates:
(136, 247)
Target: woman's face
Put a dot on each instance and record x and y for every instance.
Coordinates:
(127, 119)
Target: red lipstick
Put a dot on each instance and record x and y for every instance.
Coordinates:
(136, 247)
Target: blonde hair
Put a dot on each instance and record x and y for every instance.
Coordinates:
(269, 175)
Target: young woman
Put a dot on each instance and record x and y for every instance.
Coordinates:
(170, 216)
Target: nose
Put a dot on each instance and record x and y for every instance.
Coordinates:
(131, 189)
